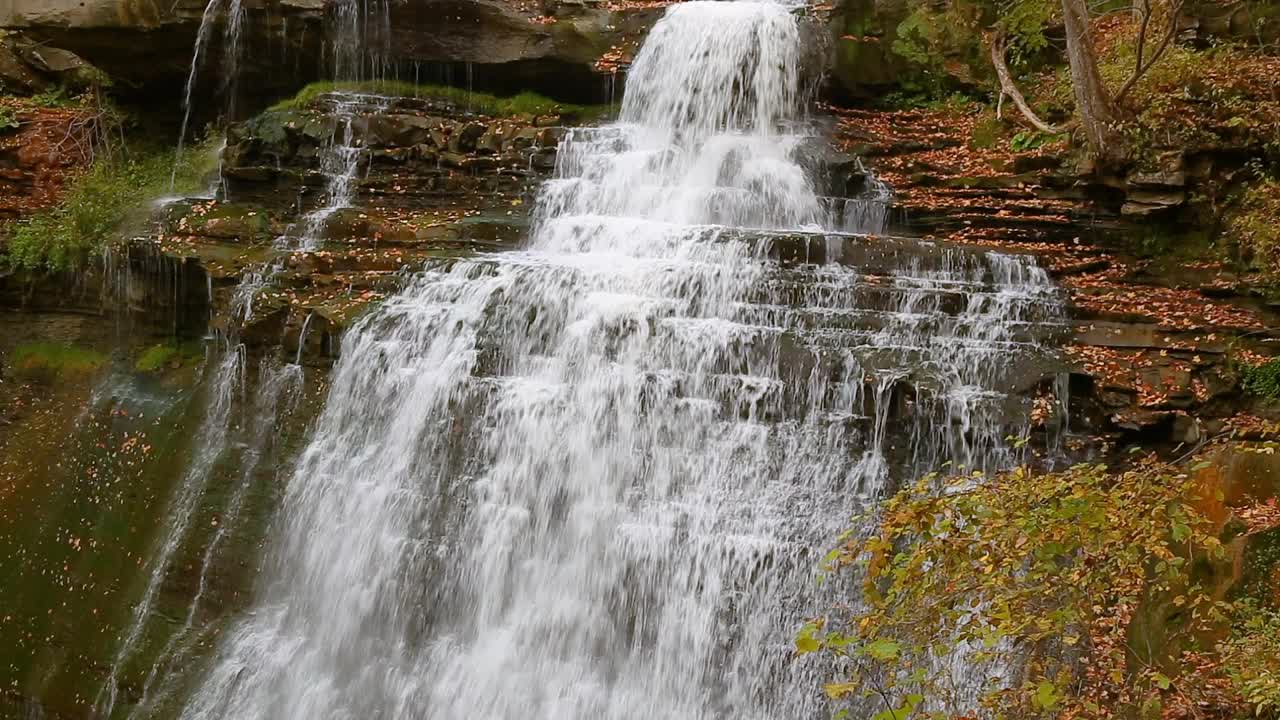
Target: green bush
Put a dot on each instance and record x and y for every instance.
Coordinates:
(1027, 570)
(1253, 228)
(1263, 380)
(9, 119)
(97, 203)
(1251, 658)
(55, 97)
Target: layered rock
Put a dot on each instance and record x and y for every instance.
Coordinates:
(552, 47)
(435, 182)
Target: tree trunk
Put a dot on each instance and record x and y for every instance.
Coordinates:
(1094, 106)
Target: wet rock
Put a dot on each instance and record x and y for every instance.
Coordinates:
(465, 137)
(399, 130)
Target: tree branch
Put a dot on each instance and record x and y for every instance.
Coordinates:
(999, 47)
(1140, 68)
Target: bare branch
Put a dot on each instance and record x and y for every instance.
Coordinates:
(1140, 67)
(1144, 9)
(999, 47)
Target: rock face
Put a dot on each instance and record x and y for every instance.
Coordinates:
(864, 64)
(492, 44)
(415, 152)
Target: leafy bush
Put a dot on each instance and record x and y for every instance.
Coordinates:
(1027, 140)
(1041, 579)
(1252, 660)
(9, 119)
(1263, 380)
(54, 97)
(1253, 228)
(97, 203)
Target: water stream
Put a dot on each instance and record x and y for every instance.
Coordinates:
(592, 478)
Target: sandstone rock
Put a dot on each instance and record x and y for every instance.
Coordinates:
(1159, 179)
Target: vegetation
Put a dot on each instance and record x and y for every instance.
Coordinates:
(97, 204)
(1253, 228)
(526, 103)
(1080, 593)
(1153, 91)
(45, 360)
(1263, 380)
(165, 356)
(1252, 656)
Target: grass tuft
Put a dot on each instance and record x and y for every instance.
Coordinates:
(165, 356)
(48, 359)
(526, 103)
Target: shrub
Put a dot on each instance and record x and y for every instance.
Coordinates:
(97, 203)
(1049, 576)
(9, 119)
(1252, 660)
(1263, 380)
(1253, 228)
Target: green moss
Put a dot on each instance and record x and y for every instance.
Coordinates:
(45, 360)
(526, 103)
(98, 202)
(166, 355)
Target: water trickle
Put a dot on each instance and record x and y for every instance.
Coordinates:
(277, 393)
(591, 479)
(233, 26)
(214, 432)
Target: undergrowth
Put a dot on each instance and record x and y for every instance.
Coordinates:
(98, 202)
(1263, 380)
(1253, 226)
(165, 356)
(526, 103)
(1252, 659)
(1092, 584)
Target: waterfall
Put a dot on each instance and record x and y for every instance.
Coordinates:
(214, 432)
(592, 478)
(231, 34)
(220, 434)
(360, 31)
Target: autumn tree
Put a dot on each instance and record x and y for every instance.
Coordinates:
(1021, 28)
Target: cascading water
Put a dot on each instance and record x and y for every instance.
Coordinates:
(591, 479)
(359, 29)
(218, 436)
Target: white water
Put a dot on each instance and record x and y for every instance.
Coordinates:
(592, 479)
(359, 35)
